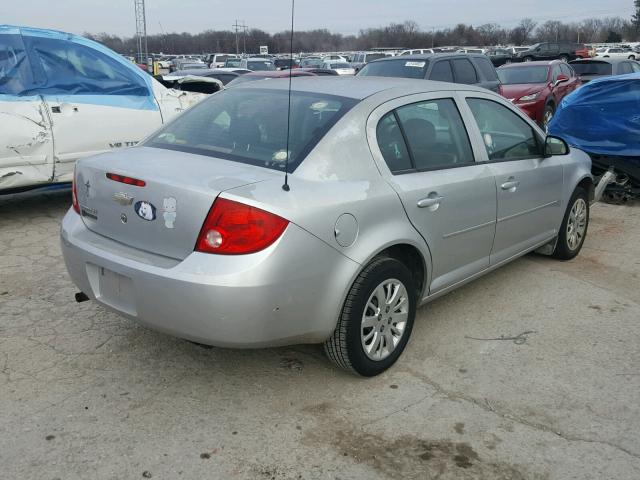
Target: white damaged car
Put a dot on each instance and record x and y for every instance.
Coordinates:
(64, 97)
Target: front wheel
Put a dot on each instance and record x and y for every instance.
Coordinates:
(632, 57)
(376, 319)
(573, 230)
(564, 58)
(528, 59)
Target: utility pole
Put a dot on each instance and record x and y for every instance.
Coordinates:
(244, 38)
(141, 31)
(237, 28)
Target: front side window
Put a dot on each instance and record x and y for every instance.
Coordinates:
(241, 125)
(487, 68)
(71, 68)
(464, 72)
(506, 136)
(435, 134)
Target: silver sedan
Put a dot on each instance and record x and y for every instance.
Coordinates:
(397, 191)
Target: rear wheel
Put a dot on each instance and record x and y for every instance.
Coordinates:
(528, 59)
(574, 226)
(564, 58)
(376, 319)
(632, 57)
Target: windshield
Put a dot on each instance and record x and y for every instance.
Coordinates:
(260, 65)
(592, 68)
(396, 68)
(520, 75)
(311, 62)
(241, 125)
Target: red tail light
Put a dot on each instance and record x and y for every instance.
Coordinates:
(128, 180)
(74, 193)
(233, 228)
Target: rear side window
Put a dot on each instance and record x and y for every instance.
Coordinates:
(442, 72)
(15, 72)
(486, 68)
(404, 68)
(392, 145)
(464, 72)
(506, 136)
(428, 134)
(241, 125)
(635, 67)
(71, 68)
(625, 67)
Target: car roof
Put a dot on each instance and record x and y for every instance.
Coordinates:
(539, 63)
(279, 74)
(601, 60)
(429, 56)
(359, 88)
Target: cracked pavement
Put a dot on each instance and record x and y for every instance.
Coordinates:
(87, 394)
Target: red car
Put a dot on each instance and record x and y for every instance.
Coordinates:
(582, 51)
(538, 87)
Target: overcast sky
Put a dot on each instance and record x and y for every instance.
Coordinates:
(343, 16)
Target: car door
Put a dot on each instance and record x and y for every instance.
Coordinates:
(529, 186)
(26, 143)
(426, 155)
(96, 100)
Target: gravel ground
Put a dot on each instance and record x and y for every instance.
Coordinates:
(87, 394)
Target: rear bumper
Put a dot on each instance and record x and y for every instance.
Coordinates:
(292, 292)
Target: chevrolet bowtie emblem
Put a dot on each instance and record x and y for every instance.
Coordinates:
(123, 198)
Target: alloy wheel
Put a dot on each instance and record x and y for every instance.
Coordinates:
(384, 319)
(576, 224)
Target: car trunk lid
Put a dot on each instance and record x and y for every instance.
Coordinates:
(166, 214)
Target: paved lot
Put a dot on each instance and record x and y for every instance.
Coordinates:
(86, 394)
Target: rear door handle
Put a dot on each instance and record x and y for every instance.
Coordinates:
(511, 185)
(430, 201)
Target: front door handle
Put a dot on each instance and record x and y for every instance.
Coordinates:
(430, 201)
(510, 185)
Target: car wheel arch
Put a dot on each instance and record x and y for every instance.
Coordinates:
(413, 257)
(586, 183)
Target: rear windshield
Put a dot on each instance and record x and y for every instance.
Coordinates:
(242, 125)
(262, 65)
(375, 56)
(592, 68)
(232, 62)
(340, 65)
(405, 68)
(520, 75)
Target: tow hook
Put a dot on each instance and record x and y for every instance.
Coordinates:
(81, 297)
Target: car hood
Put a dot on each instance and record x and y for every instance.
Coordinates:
(520, 90)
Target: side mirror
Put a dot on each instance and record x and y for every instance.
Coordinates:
(555, 146)
(560, 79)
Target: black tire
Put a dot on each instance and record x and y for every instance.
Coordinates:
(527, 59)
(563, 58)
(632, 57)
(344, 347)
(547, 115)
(563, 251)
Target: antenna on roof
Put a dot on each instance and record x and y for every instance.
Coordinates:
(286, 187)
